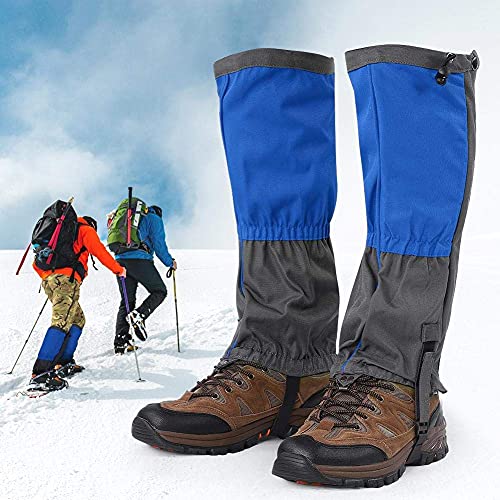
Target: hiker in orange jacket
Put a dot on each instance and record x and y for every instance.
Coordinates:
(62, 287)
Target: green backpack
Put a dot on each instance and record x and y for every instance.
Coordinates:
(118, 227)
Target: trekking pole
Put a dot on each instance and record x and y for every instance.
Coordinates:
(25, 254)
(129, 217)
(127, 305)
(171, 272)
(31, 331)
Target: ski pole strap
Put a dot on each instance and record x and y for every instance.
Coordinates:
(170, 271)
(281, 426)
(431, 334)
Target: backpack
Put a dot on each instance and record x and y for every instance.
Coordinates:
(118, 227)
(53, 247)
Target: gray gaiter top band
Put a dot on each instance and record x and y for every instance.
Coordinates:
(274, 58)
(413, 56)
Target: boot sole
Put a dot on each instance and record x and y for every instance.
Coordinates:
(142, 335)
(216, 444)
(298, 468)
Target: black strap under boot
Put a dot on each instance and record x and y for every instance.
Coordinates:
(281, 427)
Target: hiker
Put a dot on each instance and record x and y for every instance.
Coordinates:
(147, 238)
(61, 282)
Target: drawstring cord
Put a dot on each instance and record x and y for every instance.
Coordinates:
(443, 72)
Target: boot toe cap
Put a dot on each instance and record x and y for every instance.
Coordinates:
(335, 455)
(163, 419)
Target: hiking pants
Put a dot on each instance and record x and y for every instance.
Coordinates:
(144, 272)
(67, 322)
(64, 295)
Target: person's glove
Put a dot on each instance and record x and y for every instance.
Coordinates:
(171, 269)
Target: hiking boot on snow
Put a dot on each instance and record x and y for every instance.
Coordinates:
(362, 434)
(232, 409)
(124, 348)
(123, 343)
(49, 381)
(69, 369)
(138, 324)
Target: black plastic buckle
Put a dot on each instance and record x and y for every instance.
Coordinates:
(422, 430)
(345, 380)
(474, 60)
(422, 393)
(431, 334)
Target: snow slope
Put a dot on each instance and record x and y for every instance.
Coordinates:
(77, 444)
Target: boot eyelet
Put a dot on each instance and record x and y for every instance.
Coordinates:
(229, 389)
(215, 396)
(239, 382)
(357, 427)
(251, 376)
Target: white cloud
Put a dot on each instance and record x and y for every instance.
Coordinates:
(129, 97)
(128, 101)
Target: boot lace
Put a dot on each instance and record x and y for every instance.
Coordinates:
(342, 402)
(221, 377)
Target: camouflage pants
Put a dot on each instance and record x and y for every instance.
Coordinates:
(64, 296)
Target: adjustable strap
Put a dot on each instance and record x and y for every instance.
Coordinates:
(78, 264)
(124, 248)
(281, 426)
(431, 334)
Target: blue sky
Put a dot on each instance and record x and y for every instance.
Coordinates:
(96, 96)
(99, 95)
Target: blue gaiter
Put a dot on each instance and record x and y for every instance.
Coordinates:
(71, 344)
(277, 121)
(416, 119)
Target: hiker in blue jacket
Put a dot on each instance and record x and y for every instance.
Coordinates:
(141, 269)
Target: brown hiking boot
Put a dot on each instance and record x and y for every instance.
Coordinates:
(232, 409)
(362, 434)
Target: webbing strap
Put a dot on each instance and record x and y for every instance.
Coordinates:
(431, 334)
(77, 264)
(281, 426)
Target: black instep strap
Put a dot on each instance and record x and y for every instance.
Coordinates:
(281, 427)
